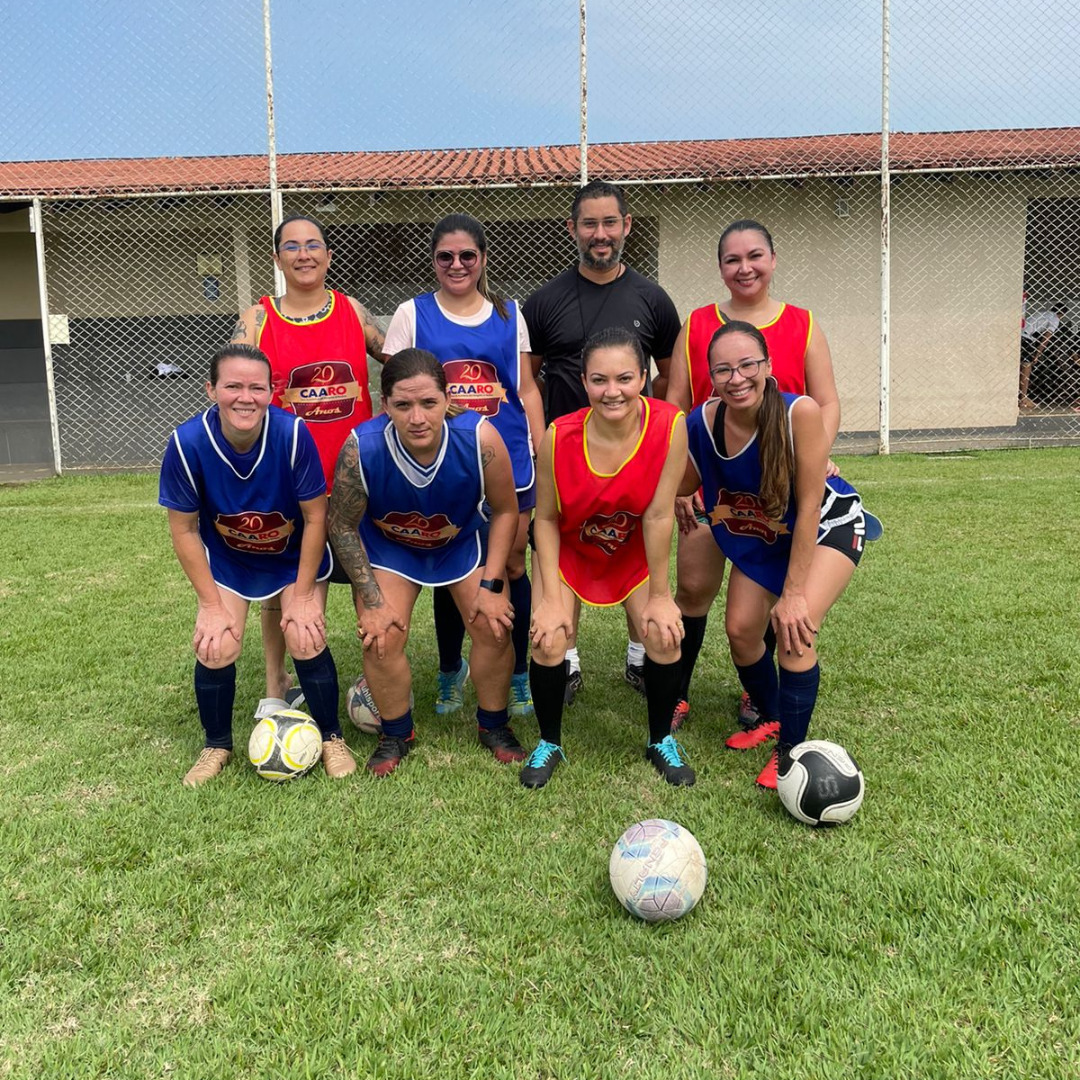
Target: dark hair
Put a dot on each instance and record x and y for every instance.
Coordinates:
(298, 217)
(238, 351)
(744, 225)
(467, 224)
(598, 189)
(408, 364)
(614, 337)
(773, 435)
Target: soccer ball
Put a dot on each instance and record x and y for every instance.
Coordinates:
(285, 745)
(657, 870)
(363, 711)
(819, 783)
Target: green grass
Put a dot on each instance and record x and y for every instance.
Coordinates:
(447, 923)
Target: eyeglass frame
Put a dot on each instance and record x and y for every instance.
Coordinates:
(309, 247)
(746, 368)
(468, 258)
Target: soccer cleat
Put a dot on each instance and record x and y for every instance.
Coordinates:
(503, 743)
(451, 692)
(388, 754)
(521, 702)
(748, 712)
(767, 777)
(210, 762)
(337, 758)
(635, 676)
(574, 684)
(269, 705)
(666, 760)
(541, 764)
(748, 738)
(680, 715)
(294, 697)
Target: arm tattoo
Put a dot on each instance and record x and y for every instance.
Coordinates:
(348, 504)
(374, 338)
(260, 318)
(239, 331)
(487, 456)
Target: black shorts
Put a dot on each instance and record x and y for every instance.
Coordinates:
(843, 524)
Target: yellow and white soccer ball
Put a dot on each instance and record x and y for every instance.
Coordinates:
(285, 745)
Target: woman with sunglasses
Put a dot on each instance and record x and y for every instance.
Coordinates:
(483, 344)
(802, 364)
(793, 537)
(318, 340)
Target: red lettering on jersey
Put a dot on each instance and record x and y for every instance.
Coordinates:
(322, 392)
(260, 534)
(475, 385)
(416, 530)
(609, 533)
(742, 514)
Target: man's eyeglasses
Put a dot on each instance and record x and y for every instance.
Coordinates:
(746, 368)
(312, 247)
(467, 258)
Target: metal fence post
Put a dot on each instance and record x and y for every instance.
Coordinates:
(276, 212)
(886, 235)
(584, 131)
(37, 226)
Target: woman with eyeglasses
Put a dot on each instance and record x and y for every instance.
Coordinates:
(759, 457)
(802, 364)
(318, 340)
(483, 344)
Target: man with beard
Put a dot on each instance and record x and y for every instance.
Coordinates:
(600, 292)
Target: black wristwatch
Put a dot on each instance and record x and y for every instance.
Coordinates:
(494, 585)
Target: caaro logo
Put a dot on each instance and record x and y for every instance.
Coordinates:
(416, 530)
(609, 533)
(743, 515)
(474, 384)
(258, 533)
(319, 393)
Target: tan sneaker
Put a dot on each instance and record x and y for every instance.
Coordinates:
(337, 758)
(211, 760)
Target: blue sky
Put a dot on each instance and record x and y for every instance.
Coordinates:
(127, 78)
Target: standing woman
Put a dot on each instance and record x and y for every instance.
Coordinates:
(482, 342)
(605, 495)
(247, 514)
(802, 364)
(406, 512)
(794, 538)
(317, 340)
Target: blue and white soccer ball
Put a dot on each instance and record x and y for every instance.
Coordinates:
(819, 783)
(285, 745)
(657, 870)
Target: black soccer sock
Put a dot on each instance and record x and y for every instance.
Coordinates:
(449, 629)
(759, 681)
(548, 686)
(770, 639)
(661, 693)
(521, 598)
(319, 681)
(798, 695)
(694, 626)
(215, 693)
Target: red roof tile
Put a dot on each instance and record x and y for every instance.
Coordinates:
(816, 155)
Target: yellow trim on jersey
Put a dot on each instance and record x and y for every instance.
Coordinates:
(554, 480)
(809, 335)
(305, 321)
(608, 603)
(626, 460)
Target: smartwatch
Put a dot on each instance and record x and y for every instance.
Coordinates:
(494, 585)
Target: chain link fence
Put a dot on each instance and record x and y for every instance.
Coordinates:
(145, 152)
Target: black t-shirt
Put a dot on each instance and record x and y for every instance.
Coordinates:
(568, 309)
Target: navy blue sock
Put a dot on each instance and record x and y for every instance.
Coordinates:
(661, 693)
(798, 695)
(521, 598)
(548, 685)
(402, 727)
(449, 629)
(319, 681)
(488, 719)
(694, 625)
(759, 681)
(770, 639)
(215, 692)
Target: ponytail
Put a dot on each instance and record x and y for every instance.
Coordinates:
(777, 453)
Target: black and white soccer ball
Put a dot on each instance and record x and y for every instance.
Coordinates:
(819, 783)
(285, 745)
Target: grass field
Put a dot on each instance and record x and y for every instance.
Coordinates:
(447, 923)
